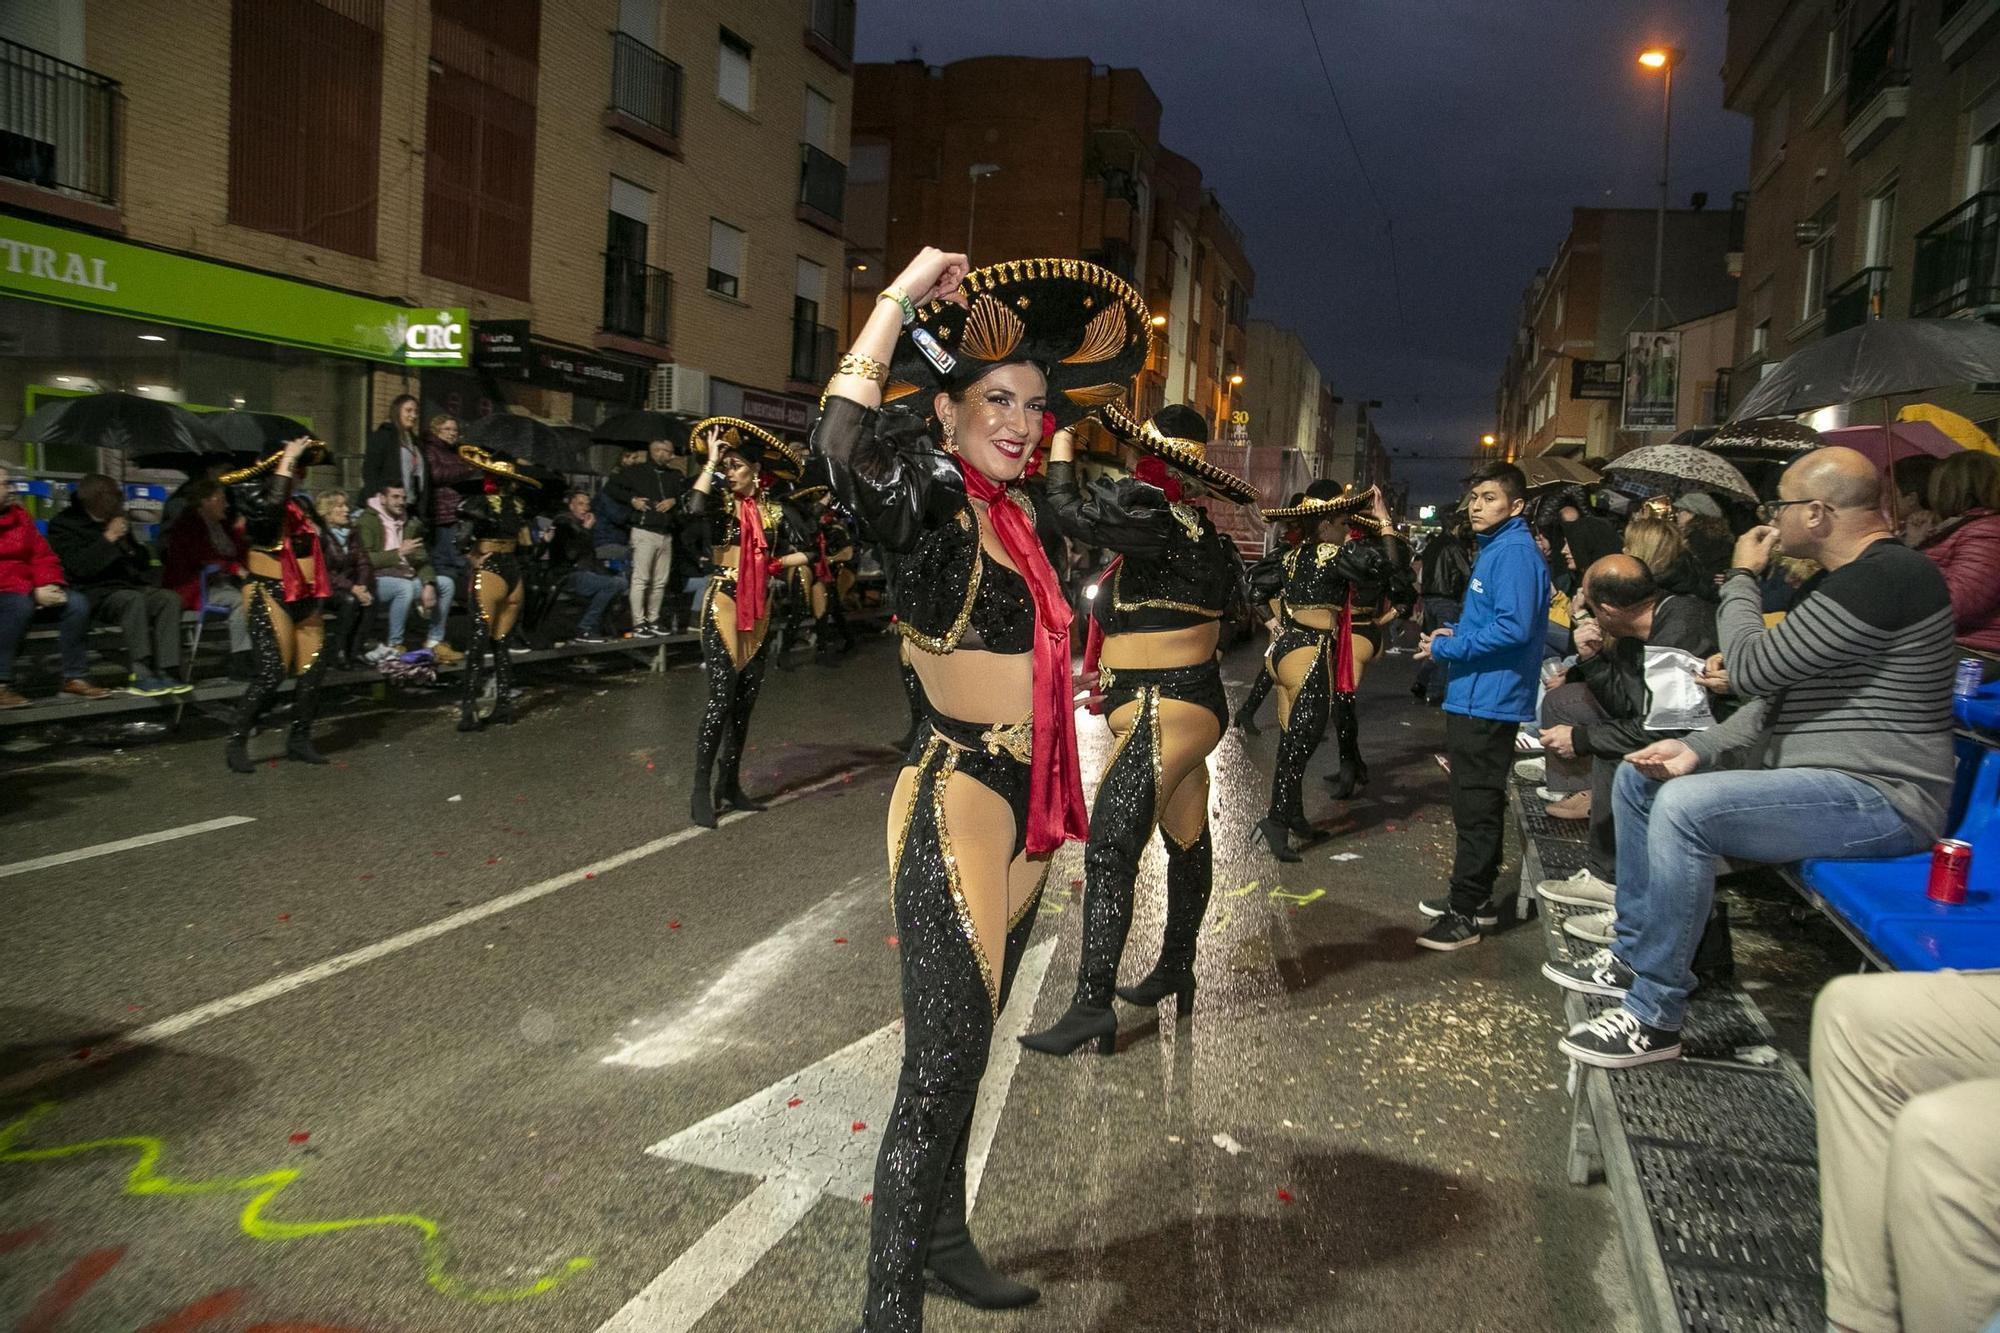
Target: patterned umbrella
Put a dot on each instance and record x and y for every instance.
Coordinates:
(1764, 437)
(1677, 469)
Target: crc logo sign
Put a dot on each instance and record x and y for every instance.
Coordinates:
(442, 340)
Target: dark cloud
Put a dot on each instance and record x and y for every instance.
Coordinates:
(1481, 126)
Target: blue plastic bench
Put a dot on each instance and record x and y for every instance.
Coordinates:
(1882, 902)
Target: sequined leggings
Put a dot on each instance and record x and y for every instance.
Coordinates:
(732, 694)
(1132, 800)
(1305, 726)
(497, 595)
(285, 640)
(951, 997)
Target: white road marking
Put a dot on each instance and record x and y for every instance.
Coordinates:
(802, 1152)
(122, 845)
(176, 1024)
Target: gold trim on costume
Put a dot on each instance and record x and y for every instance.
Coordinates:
(910, 814)
(1152, 708)
(1118, 602)
(1015, 739)
(938, 646)
(958, 902)
(1033, 898)
(1095, 395)
(1102, 338)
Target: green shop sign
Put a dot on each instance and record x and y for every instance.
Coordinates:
(44, 263)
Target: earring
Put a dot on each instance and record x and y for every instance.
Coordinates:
(948, 445)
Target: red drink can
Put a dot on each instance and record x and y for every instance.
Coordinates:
(1951, 869)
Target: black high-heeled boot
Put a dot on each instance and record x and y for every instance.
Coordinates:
(954, 1263)
(1190, 877)
(729, 786)
(1305, 727)
(1353, 773)
(475, 663)
(267, 670)
(1246, 714)
(305, 708)
(503, 683)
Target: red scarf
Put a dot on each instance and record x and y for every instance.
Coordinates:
(753, 564)
(1056, 812)
(1343, 648)
(297, 522)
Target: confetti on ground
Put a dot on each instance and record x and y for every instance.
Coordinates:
(840, 939)
(673, 925)
(284, 916)
(859, 1125)
(300, 1137)
(796, 1101)
(450, 799)
(1345, 856)
(1284, 1196)
(1227, 1144)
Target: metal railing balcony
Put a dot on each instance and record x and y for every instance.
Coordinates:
(638, 299)
(645, 84)
(1875, 61)
(832, 22)
(1857, 300)
(1958, 259)
(822, 182)
(814, 349)
(59, 124)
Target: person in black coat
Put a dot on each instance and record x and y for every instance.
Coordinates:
(395, 456)
(103, 560)
(652, 490)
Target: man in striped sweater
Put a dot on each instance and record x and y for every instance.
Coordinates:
(1845, 749)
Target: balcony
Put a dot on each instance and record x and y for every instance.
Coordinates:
(645, 95)
(830, 32)
(822, 189)
(1857, 300)
(1878, 83)
(814, 349)
(1960, 22)
(638, 302)
(1958, 259)
(59, 137)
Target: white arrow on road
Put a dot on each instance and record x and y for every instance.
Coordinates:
(801, 1153)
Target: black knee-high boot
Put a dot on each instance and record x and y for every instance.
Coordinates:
(836, 616)
(824, 653)
(305, 708)
(1303, 732)
(268, 672)
(1190, 877)
(475, 662)
(715, 722)
(1246, 715)
(729, 784)
(503, 681)
(1353, 774)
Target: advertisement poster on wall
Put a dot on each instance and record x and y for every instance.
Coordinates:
(1652, 380)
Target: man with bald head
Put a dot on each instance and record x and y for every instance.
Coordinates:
(1844, 751)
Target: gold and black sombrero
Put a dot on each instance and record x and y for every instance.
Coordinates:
(315, 455)
(1329, 499)
(753, 442)
(498, 465)
(1085, 326)
(1178, 437)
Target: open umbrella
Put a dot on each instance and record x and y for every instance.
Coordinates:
(1952, 424)
(528, 439)
(1555, 470)
(1888, 445)
(643, 426)
(1678, 469)
(1764, 437)
(122, 422)
(255, 433)
(1874, 360)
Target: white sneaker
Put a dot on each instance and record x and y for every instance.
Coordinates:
(377, 655)
(1531, 770)
(1582, 889)
(1595, 927)
(1545, 794)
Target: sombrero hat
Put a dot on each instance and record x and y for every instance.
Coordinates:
(1329, 499)
(498, 465)
(753, 442)
(806, 494)
(1179, 437)
(1083, 325)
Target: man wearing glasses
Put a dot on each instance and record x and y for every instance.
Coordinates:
(1846, 750)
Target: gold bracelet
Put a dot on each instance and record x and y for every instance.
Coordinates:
(867, 367)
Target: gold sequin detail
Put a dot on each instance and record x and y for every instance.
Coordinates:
(1014, 739)
(931, 747)
(958, 902)
(938, 645)
(1095, 395)
(1188, 517)
(992, 331)
(1118, 602)
(1033, 898)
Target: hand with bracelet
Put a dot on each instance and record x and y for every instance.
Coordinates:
(932, 276)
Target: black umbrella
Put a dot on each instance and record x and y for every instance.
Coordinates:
(122, 422)
(643, 426)
(256, 433)
(1874, 360)
(528, 439)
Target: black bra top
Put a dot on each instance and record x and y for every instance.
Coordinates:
(262, 501)
(496, 517)
(910, 497)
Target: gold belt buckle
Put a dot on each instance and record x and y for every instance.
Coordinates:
(1105, 679)
(1016, 739)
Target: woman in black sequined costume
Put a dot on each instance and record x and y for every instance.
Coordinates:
(752, 542)
(1159, 609)
(991, 787)
(494, 524)
(284, 582)
(1321, 645)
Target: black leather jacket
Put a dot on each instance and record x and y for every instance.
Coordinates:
(1177, 569)
(1318, 576)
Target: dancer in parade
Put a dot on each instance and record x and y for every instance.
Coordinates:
(991, 788)
(751, 542)
(1350, 560)
(1287, 536)
(1156, 623)
(285, 581)
(493, 522)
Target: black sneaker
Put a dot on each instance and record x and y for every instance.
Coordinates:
(1450, 932)
(1599, 974)
(1485, 915)
(1616, 1039)
(591, 636)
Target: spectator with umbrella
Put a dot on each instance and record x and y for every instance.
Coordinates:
(1965, 546)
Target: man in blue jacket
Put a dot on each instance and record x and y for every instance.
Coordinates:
(1491, 657)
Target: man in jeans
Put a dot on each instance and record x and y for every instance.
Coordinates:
(32, 578)
(573, 549)
(1846, 751)
(394, 541)
(652, 490)
(1491, 657)
(113, 569)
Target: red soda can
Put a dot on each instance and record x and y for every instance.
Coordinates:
(1951, 869)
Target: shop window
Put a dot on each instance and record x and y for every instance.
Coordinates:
(480, 143)
(725, 259)
(732, 70)
(305, 120)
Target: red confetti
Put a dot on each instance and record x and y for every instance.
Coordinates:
(860, 1125)
(83, 1053)
(300, 1137)
(493, 860)
(796, 1101)
(134, 1008)
(840, 939)
(367, 877)
(649, 765)
(868, 1198)
(284, 916)
(1284, 1196)
(1390, 827)
(590, 874)
(673, 925)
(1076, 884)
(274, 763)
(440, 853)
(340, 763)
(893, 941)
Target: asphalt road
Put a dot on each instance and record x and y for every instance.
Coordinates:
(474, 1033)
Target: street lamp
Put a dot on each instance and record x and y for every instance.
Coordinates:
(978, 172)
(1489, 439)
(1663, 59)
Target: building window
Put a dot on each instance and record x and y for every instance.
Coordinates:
(812, 341)
(1760, 318)
(1881, 227)
(1819, 261)
(1839, 36)
(479, 140)
(819, 120)
(635, 294)
(1982, 159)
(732, 70)
(305, 120)
(725, 259)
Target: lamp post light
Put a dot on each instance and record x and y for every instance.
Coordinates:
(978, 172)
(1663, 59)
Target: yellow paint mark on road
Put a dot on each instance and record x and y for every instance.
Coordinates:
(1297, 899)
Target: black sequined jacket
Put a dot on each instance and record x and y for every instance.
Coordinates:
(910, 497)
(1177, 569)
(262, 502)
(1318, 576)
(713, 518)
(496, 517)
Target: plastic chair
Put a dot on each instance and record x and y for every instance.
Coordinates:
(201, 617)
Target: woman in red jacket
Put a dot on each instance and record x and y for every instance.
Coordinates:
(203, 536)
(32, 577)
(1965, 496)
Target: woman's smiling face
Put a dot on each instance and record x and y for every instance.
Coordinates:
(996, 423)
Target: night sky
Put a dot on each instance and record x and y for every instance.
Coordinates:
(1481, 125)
